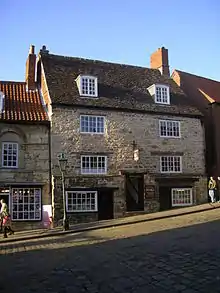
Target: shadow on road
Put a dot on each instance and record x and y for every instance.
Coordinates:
(175, 260)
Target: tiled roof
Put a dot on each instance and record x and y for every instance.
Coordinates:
(202, 90)
(119, 85)
(21, 105)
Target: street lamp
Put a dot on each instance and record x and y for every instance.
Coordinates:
(62, 165)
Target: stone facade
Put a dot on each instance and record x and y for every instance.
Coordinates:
(31, 174)
(132, 113)
(123, 129)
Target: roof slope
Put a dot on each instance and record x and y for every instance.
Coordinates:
(119, 86)
(21, 105)
(201, 89)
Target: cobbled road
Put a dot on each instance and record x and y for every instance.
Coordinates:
(180, 254)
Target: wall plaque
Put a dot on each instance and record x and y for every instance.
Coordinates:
(149, 192)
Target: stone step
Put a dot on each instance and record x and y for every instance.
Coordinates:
(135, 213)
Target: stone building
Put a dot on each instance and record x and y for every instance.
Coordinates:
(24, 144)
(133, 142)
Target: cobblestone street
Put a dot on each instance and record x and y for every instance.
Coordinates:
(180, 254)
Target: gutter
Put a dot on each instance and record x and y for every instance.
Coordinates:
(129, 110)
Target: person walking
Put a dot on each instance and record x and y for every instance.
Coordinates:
(212, 188)
(6, 219)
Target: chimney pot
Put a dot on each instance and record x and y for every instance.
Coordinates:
(31, 50)
(44, 50)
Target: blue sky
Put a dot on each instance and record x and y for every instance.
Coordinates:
(121, 31)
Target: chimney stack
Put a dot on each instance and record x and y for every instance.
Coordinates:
(159, 60)
(44, 50)
(30, 69)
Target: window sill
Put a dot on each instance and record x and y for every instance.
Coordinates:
(96, 133)
(26, 220)
(178, 172)
(182, 205)
(93, 174)
(88, 97)
(159, 103)
(175, 137)
(9, 168)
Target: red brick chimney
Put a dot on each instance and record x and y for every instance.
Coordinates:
(159, 60)
(30, 69)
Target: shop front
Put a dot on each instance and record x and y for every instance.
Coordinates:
(27, 204)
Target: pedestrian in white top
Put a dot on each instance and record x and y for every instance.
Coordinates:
(212, 188)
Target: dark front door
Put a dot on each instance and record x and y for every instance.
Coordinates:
(134, 192)
(165, 198)
(105, 204)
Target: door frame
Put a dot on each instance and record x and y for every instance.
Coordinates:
(101, 193)
(139, 191)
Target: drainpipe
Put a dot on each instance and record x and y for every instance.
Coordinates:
(50, 165)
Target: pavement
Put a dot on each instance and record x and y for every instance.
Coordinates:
(179, 254)
(58, 231)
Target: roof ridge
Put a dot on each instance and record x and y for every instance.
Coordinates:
(199, 76)
(97, 61)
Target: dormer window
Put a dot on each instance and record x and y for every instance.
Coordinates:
(87, 85)
(161, 93)
(2, 98)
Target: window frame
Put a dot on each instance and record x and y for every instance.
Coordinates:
(13, 203)
(181, 204)
(17, 154)
(91, 173)
(172, 121)
(81, 192)
(161, 87)
(92, 132)
(169, 172)
(88, 77)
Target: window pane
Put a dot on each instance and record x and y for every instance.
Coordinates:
(170, 164)
(92, 124)
(169, 128)
(93, 164)
(88, 86)
(161, 95)
(84, 201)
(181, 197)
(26, 204)
(9, 155)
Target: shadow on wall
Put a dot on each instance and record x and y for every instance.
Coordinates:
(85, 262)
